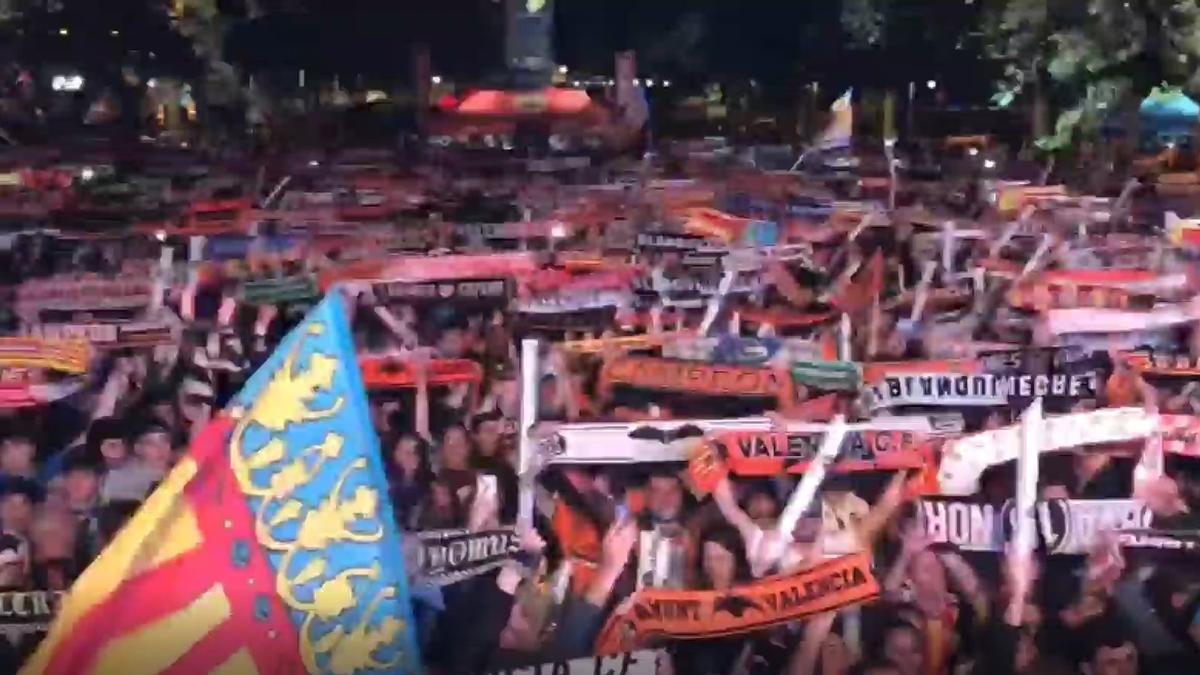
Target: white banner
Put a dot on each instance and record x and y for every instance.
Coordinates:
(1065, 527)
(964, 459)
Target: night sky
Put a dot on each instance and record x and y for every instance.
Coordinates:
(780, 44)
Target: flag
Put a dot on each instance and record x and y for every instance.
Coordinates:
(631, 97)
(840, 130)
(860, 291)
(268, 549)
(715, 224)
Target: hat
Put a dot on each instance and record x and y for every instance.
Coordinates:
(11, 485)
(152, 425)
(103, 429)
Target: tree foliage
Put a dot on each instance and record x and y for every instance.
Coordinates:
(1096, 57)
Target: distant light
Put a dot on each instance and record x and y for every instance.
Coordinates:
(87, 173)
(972, 151)
(989, 163)
(313, 163)
(558, 231)
(562, 69)
(152, 82)
(666, 83)
(637, 82)
(114, 33)
(66, 82)
(161, 235)
(932, 84)
(649, 82)
(611, 82)
(63, 31)
(436, 79)
(575, 83)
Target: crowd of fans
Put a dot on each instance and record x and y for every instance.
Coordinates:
(72, 472)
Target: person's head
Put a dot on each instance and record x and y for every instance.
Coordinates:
(17, 502)
(762, 506)
(722, 558)
(664, 497)
(489, 430)
(17, 455)
(1110, 652)
(902, 645)
(52, 534)
(81, 483)
(153, 445)
(456, 448)
(452, 342)
(410, 457)
(106, 441)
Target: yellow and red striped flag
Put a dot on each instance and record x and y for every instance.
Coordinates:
(269, 549)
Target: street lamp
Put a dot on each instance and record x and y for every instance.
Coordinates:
(931, 84)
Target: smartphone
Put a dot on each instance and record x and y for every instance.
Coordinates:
(622, 513)
(485, 484)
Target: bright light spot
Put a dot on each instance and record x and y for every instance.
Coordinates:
(152, 82)
(63, 31)
(114, 33)
(611, 82)
(649, 83)
(932, 84)
(562, 69)
(436, 79)
(989, 163)
(66, 82)
(637, 82)
(574, 83)
(666, 83)
(313, 163)
(161, 235)
(87, 173)
(972, 151)
(558, 231)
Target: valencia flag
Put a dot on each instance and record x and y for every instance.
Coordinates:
(269, 549)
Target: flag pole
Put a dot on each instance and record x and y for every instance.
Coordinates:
(526, 464)
(1027, 478)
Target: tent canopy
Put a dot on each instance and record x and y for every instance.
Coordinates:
(1171, 106)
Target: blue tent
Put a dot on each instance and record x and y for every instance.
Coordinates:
(1169, 111)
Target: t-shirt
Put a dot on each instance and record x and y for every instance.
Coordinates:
(130, 482)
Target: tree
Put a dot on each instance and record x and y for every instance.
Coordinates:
(1097, 58)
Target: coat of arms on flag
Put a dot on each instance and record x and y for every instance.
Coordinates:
(268, 549)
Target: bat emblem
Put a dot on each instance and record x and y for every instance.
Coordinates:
(666, 436)
(735, 605)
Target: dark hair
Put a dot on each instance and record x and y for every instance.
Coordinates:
(728, 538)
(487, 416)
(104, 429)
(424, 467)
(1104, 632)
(891, 624)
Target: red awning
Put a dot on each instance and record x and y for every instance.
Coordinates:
(550, 101)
